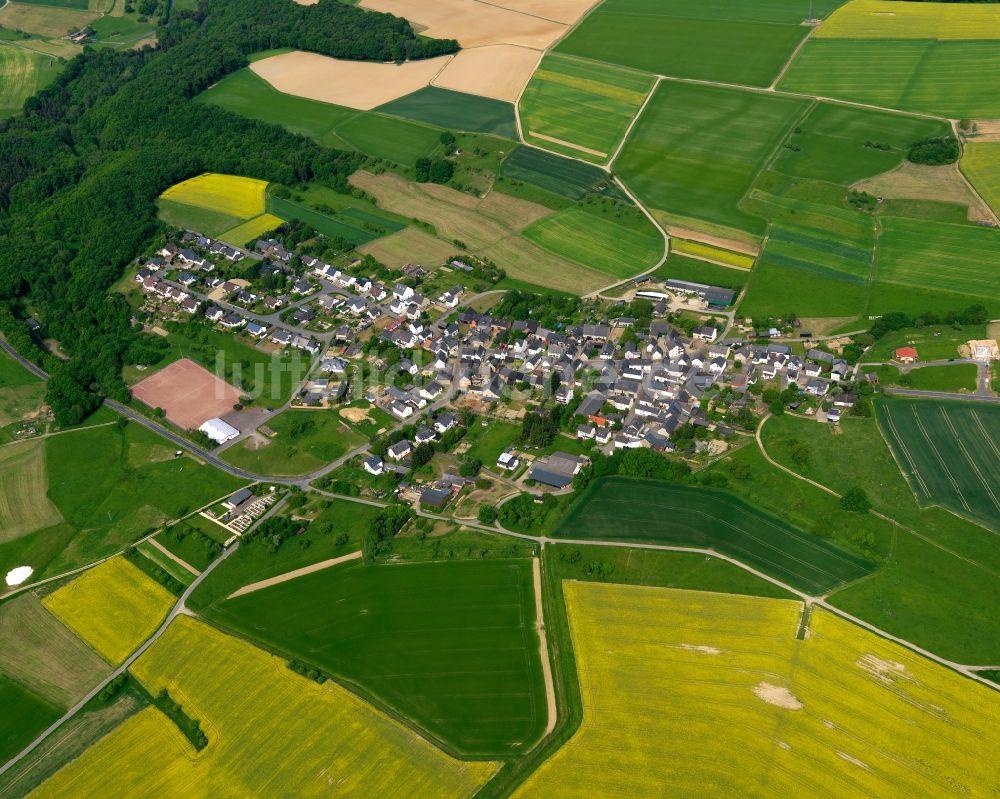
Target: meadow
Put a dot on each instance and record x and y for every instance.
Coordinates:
(25, 714)
(410, 246)
(23, 73)
(257, 713)
(952, 261)
(255, 561)
(948, 453)
(114, 607)
(110, 484)
(599, 242)
(696, 150)
(342, 226)
(981, 165)
(45, 20)
(735, 43)
(911, 74)
(581, 108)
(20, 391)
(940, 582)
(751, 708)
(947, 377)
(24, 506)
(305, 440)
(455, 111)
(667, 513)
(450, 646)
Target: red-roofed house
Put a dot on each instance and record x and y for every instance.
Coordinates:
(906, 355)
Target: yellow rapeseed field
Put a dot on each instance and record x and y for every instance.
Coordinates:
(114, 607)
(227, 194)
(251, 230)
(887, 19)
(708, 252)
(270, 733)
(688, 693)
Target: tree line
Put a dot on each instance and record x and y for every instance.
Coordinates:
(82, 165)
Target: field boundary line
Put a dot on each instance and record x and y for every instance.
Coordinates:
(635, 119)
(175, 558)
(293, 574)
(795, 54)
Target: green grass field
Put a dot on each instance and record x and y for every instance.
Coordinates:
(844, 145)
(450, 646)
(932, 342)
(585, 105)
(696, 150)
(736, 43)
(981, 165)
(20, 391)
(552, 173)
(190, 217)
(683, 268)
(948, 452)
(488, 442)
(110, 485)
(955, 262)
(374, 134)
(940, 582)
(455, 111)
(667, 513)
(25, 714)
(22, 74)
(950, 377)
(324, 223)
(599, 242)
(305, 441)
(810, 272)
(915, 75)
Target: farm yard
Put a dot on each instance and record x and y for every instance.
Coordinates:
(581, 108)
(256, 713)
(948, 453)
(718, 41)
(629, 510)
(699, 669)
(450, 646)
(114, 607)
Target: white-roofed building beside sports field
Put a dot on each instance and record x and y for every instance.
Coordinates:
(218, 430)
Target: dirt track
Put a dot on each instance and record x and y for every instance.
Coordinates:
(284, 578)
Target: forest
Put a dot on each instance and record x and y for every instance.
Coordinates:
(82, 166)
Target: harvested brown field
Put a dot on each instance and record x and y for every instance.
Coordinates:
(499, 71)
(355, 84)
(454, 215)
(474, 24)
(911, 181)
(41, 652)
(409, 246)
(188, 393)
(489, 227)
(44, 20)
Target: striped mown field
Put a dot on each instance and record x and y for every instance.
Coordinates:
(270, 733)
(22, 74)
(687, 693)
(948, 452)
